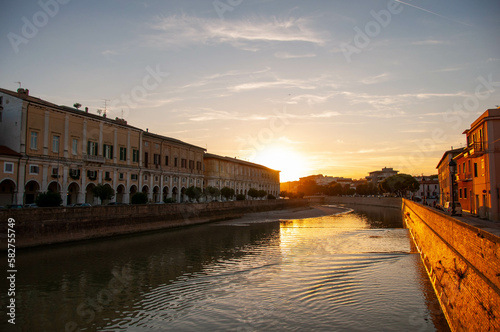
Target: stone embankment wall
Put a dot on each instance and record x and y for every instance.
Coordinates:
(39, 226)
(393, 202)
(463, 263)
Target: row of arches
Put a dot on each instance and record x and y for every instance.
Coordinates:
(75, 194)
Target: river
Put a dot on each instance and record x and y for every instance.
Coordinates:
(352, 272)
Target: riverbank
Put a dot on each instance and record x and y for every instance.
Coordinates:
(303, 212)
(44, 226)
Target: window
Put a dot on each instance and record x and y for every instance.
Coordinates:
(166, 160)
(121, 176)
(191, 164)
(175, 162)
(74, 146)
(135, 155)
(108, 151)
(133, 177)
(55, 171)
(34, 140)
(107, 176)
(92, 175)
(157, 146)
(34, 169)
(156, 159)
(475, 170)
(55, 144)
(123, 154)
(184, 163)
(460, 193)
(8, 167)
(198, 165)
(465, 193)
(92, 148)
(74, 173)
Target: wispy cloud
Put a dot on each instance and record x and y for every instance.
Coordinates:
(184, 30)
(376, 79)
(286, 55)
(431, 42)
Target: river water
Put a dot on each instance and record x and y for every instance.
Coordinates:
(351, 272)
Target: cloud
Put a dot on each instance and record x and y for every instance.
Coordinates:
(431, 42)
(286, 55)
(376, 79)
(184, 30)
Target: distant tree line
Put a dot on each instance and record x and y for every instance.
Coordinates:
(396, 185)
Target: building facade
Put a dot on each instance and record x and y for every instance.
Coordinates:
(444, 176)
(478, 167)
(376, 177)
(240, 175)
(46, 147)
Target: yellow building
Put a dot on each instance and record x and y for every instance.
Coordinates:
(46, 147)
(240, 175)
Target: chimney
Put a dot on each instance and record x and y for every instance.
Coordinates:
(23, 92)
(86, 109)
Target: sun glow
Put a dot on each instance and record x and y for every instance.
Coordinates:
(282, 158)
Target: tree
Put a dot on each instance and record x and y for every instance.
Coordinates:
(194, 193)
(212, 192)
(399, 184)
(366, 189)
(254, 193)
(104, 192)
(262, 193)
(240, 197)
(139, 198)
(48, 199)
(227, 192)
(310, 187)
(77, 105)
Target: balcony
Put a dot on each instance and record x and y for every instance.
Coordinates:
(463, 177)
(476, 149)
(93, 159)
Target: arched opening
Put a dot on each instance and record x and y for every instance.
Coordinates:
(54, 187)
(73, 192)
(165, 193)
(7, 191)
(120, 192)
(31, 190)
(145, 189)
(156, 194)
(89, 195)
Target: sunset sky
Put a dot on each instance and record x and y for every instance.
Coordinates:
(339, 87)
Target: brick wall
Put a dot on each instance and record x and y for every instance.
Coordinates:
(40, 226)
(463, 263)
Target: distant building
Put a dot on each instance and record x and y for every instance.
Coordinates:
(444, 175)
(378, 176)
(429, 187)
(290, 186)
(240, 175)
(47, 147)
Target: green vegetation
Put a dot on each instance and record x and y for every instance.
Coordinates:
(194, 193)
(227, 192)
(240, 197)
(103, 192)
(211, 192)
(399, 184)
(139, 198)
(48, 199)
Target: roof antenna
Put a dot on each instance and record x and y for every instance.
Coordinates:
(19, 84)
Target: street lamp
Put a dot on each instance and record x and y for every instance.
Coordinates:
(453, 169)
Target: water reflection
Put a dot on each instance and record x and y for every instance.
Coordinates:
(329, 273)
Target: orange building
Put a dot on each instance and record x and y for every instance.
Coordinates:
(478, 167)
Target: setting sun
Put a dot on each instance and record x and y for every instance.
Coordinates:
(284, 159)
